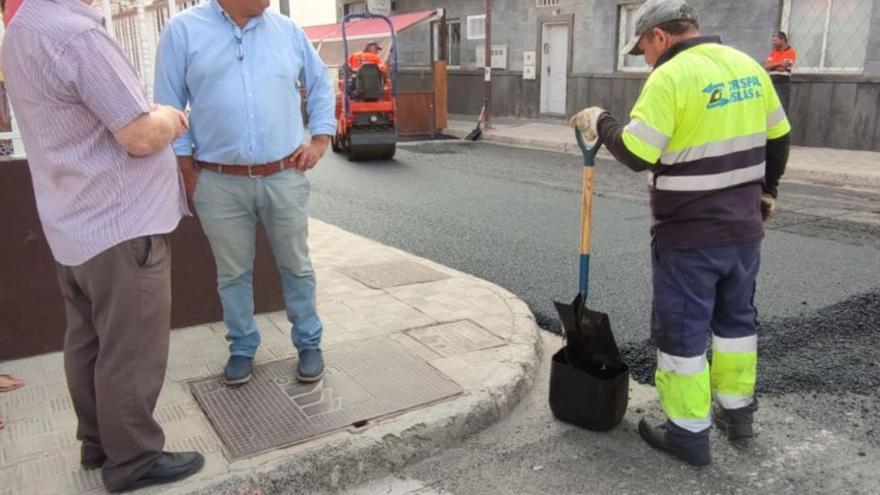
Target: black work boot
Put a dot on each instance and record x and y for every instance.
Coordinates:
(692, 448)
(737, 423)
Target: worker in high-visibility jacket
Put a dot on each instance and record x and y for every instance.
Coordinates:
(710, 129)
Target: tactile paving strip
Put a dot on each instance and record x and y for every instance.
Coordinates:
(458, 337)
(393, 274)
(364, 381)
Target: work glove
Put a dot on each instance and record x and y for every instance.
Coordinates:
(587, 122)
(768, 207)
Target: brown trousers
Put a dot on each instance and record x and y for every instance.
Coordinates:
(118, 307)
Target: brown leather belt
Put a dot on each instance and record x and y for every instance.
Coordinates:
(252, 171)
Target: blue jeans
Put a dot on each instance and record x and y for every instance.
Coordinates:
(229, 207)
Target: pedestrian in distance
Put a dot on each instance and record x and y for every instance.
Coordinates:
(710, 129)
(238, 67)
(108, 193)
(779, 64)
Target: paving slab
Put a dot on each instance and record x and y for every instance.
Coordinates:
(465, 350)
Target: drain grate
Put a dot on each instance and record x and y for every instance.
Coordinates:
(393, 274)
(364, 381)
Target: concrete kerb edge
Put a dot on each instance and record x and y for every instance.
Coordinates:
(570, 148)
(825, 176)
(347, 459)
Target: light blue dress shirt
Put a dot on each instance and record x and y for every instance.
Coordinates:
(242, 85)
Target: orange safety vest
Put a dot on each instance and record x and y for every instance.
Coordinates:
(776, 57)
(357, 59)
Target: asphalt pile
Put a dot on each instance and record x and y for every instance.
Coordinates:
(825, 365)
(833, 350)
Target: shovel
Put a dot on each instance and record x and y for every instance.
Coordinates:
(589, 383)
(588, 333)
(478, 131)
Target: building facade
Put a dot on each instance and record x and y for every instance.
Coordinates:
(553, 57)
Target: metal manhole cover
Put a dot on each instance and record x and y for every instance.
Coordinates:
(364, 381)
(393, 274)
(452, 339)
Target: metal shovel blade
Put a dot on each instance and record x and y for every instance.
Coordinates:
(590, 342)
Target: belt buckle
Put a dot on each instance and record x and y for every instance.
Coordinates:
(251, 173)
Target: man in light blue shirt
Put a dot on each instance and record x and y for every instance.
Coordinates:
(239, 67)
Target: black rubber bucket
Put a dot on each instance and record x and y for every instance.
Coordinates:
(593, 400)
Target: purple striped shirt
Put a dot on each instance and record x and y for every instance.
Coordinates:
(71, 88)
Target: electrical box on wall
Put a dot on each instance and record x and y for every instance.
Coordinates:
(499, 56)
(529, 64)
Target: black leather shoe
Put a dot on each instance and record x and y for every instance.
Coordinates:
(692, 448)
(91, 457)
(170, 467)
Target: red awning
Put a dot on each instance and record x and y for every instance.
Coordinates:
(368, 28)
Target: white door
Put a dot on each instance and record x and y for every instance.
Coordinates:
(554, 68)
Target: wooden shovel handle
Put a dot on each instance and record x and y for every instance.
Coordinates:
(587, 208)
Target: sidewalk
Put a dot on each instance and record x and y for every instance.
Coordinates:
(860, 169)
(393, 322)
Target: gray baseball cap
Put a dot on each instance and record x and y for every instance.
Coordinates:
(653, 13)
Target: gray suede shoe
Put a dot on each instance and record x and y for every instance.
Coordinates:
(311, 366)
(238, 370)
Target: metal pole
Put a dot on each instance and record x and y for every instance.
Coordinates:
(17, 143)
(443, 51)
(107, 8)
(14, 135)
(488, 75)
(143, 47)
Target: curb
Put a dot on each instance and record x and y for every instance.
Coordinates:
(569, 147)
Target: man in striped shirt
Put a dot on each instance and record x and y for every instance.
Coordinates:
(108, 193)
(710, 129)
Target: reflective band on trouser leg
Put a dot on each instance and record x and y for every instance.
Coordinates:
(734, 370)
(683, 385)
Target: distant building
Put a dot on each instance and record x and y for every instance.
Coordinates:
(553, 57)
(312, 12)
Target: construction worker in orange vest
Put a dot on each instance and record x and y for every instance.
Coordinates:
(369, 55)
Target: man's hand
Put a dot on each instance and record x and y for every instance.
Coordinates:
(307, 155)
(177, 119)
(587, 122)
(768, 207)
(152, 132)
(190, 174)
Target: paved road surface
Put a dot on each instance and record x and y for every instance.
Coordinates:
(511, 216)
